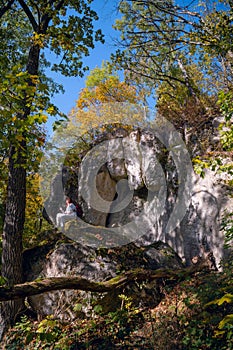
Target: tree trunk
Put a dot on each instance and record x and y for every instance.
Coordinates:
(12, 235)
(187, 80)
(15, 207)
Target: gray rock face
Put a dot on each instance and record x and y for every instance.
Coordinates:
(146, 188)
(142, 188)
(73, 259)
(187, 210)
(106, 189)
(66, 260)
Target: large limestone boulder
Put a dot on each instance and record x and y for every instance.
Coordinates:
(73, 259)
(150, 193)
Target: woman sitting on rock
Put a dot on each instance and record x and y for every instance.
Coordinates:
(68, 214)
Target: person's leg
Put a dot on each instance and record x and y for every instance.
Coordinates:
(59, 220)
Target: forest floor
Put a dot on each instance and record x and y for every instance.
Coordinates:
(196, 313)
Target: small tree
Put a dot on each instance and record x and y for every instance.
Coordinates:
(103, 91)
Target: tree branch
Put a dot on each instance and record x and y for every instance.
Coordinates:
(29, 15)
(6, 7)
(46, 18)
(78, 283)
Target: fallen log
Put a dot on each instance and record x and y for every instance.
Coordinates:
(78, 283)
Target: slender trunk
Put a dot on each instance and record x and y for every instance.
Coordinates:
(187, 80)
(15, 210)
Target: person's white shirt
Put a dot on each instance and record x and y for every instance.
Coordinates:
(68, 214)
(70, 208)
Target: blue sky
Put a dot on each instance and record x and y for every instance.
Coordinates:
(106, 10)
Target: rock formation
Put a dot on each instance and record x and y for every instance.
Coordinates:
(137, 186)
(73, 259)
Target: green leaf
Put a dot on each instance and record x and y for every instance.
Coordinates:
(98, 309)
(78, 307)
(3, 281)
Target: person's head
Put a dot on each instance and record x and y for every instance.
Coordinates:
(68, 200)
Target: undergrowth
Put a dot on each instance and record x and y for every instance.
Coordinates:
(196, 314)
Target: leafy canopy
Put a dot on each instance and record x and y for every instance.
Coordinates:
(37, 37)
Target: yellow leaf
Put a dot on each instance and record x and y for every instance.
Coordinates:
(227, 320)
(228, 298)
(19, 137)
(218, 334)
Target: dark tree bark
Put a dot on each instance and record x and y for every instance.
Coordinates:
(12, 235)
(15, 210)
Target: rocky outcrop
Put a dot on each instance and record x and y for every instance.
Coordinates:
(144, 207)
(139, 186)
(107, 189)
(73, 259)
